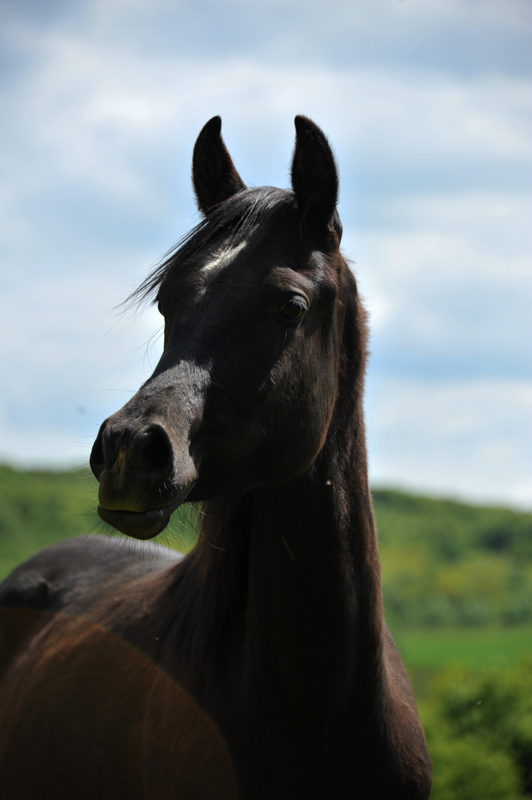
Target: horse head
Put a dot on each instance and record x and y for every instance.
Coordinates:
(253, 306)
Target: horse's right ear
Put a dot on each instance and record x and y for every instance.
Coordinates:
(214, 176)
(314, 175)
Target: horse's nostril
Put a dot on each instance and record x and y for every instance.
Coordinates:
(151, 452)
(156, 452)
(97, 457)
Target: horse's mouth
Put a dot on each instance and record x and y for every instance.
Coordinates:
(144, 524)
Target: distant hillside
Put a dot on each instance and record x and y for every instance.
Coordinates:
(444, 563)
(38, 508)
(447, 563)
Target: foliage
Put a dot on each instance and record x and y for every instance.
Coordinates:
(447, 563)
(479, 730)
(449, 529)
(466, 769)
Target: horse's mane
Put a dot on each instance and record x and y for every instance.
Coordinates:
(242, 215)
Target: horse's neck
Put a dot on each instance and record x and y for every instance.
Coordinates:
(314, 605)
(291, 573)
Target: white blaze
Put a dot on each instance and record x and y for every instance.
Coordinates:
(222, 260)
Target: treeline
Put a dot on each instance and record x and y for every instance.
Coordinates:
(444, 563)
(448, 563)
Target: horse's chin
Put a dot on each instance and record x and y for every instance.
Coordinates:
(143, 524)
(138, 524)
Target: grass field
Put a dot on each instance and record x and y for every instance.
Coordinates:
(434, 649)
(426, 652)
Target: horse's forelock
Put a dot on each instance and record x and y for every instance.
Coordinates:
(236, 219)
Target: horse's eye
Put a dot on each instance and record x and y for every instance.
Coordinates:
(293, 309)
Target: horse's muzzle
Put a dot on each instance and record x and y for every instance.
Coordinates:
(143, 524)
(143, 475)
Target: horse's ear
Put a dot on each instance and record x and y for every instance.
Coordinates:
(214, 176)
(314, 174)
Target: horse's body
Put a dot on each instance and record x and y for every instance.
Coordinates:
(259, 666)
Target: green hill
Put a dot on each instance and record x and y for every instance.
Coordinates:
(448, 563)
(38, 508)
(443, 563)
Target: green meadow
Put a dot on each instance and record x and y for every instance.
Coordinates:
(457, 586)
(434, 649)
(427, 652)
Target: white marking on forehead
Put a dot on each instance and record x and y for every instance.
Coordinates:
(221, 260)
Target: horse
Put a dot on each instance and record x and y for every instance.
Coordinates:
(259, 666)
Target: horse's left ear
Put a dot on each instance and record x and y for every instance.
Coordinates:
(214, 176)
(314, 174)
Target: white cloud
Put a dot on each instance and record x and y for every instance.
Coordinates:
(453, 33)
(95, 110)
(468, 439)
(451, 275)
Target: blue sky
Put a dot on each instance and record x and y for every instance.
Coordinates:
(428, 104)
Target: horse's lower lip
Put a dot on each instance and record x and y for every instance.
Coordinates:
(144, 524)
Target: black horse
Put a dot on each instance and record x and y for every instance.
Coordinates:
(259, 666)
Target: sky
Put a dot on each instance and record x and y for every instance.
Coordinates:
(428, 106)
